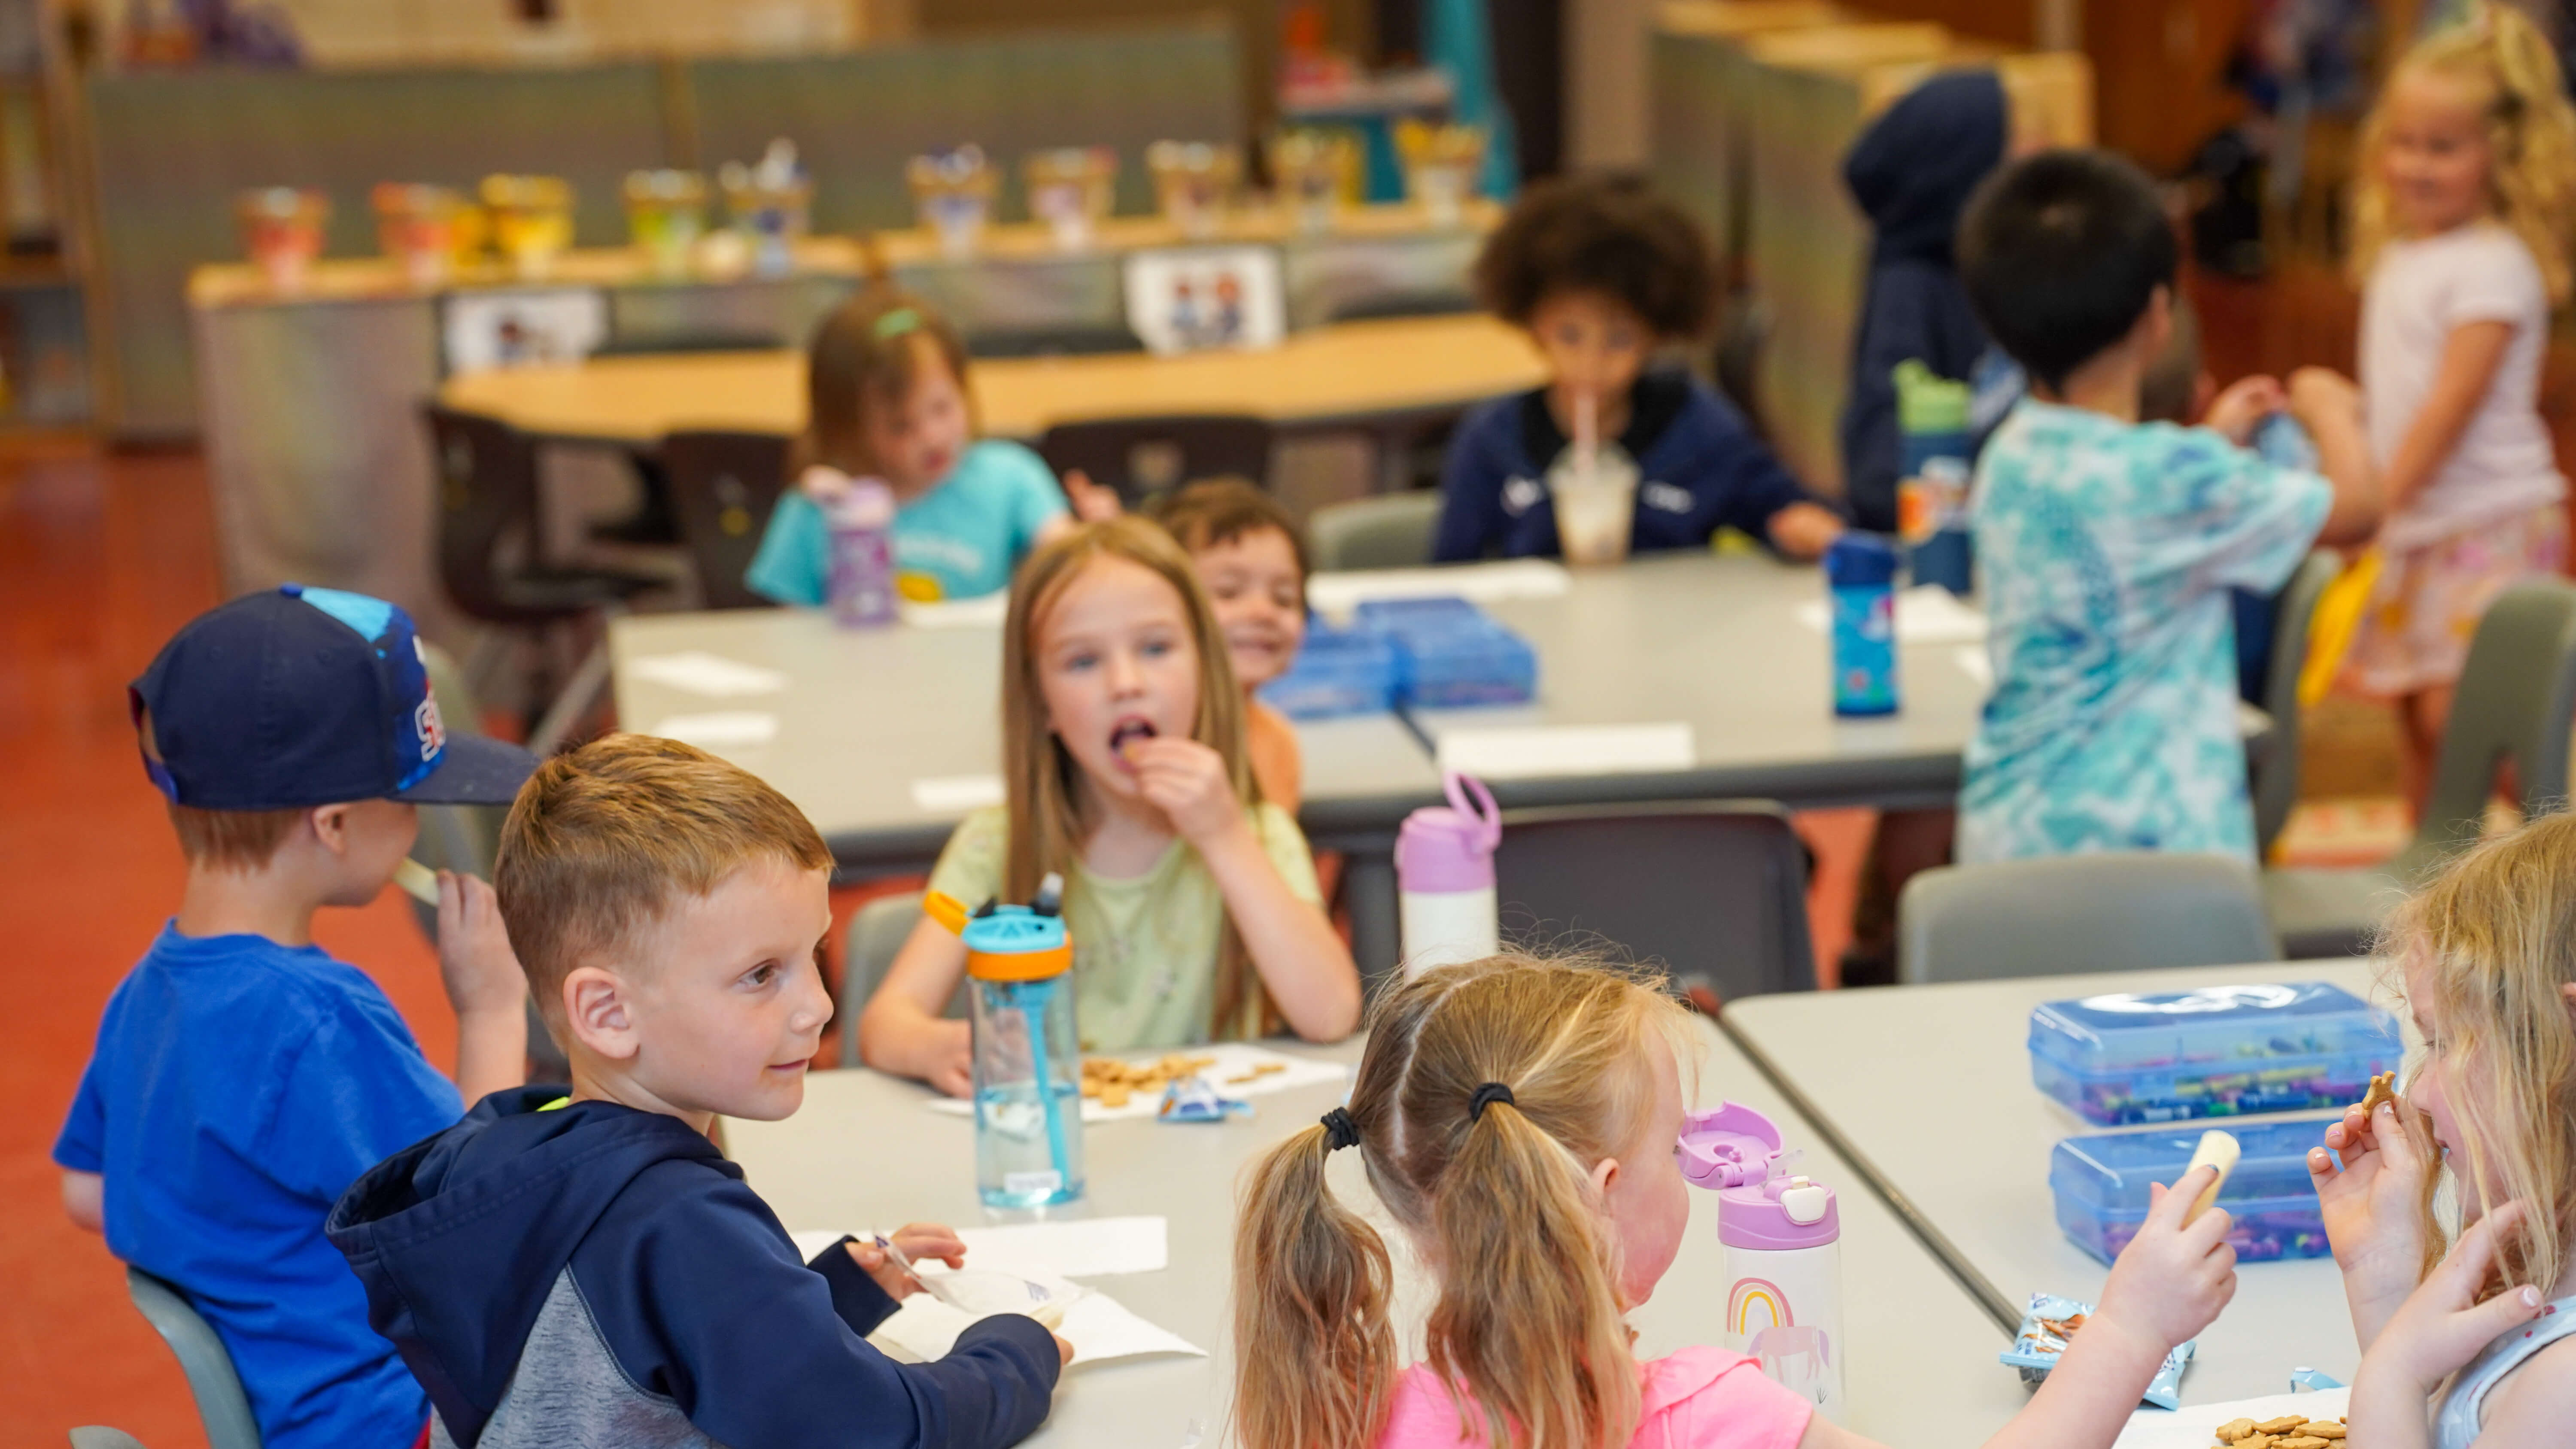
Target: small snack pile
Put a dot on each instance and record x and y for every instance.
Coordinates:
(2290, 1431)
(1114, 1081)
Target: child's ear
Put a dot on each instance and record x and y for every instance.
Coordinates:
(1604, 1173)
(330, 825)
(596, 1013)
(2567, 992)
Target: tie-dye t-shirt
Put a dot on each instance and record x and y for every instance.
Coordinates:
(2106, 550)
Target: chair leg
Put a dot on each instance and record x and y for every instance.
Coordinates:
(573, 702)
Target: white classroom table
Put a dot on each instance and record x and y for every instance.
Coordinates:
(1928, 1090)
(865, 1153)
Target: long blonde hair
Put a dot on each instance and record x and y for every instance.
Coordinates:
(2531, 133)
(1527, 1331)
(1040, 776)
(2492, 940)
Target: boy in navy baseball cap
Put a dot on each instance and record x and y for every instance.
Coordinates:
(243, 1078)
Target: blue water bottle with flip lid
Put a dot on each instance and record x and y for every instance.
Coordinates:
(1028, 1057)
(1860, 585)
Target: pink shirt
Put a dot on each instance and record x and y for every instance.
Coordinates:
(1699, 1398)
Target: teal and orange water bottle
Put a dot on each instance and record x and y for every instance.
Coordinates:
(1860, 585)
(1028, 1057)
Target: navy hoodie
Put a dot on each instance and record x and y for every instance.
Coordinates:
(1911, 174)
(1698, 466)
(599, 1275)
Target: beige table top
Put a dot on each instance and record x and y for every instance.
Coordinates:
(1977, 1170)
(1346, 371)
(865, 1153)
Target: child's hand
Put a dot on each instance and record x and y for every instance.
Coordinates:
(2372, 1210)
(1802, 530)
(2321, 397)
(1091, 502)
(1063, 1349)
(825, 487)
(2443, 1325)
(475, 962)
(2173, 1278)
(921, 1242)
(1186, 780)
(947, 1058)
(2234, 413)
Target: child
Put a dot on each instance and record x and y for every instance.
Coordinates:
(2486, 957)
(1191, 899)
(2108, 546)
(242, 1077)
(588, 1269)
(2462, 219)
(1252, 560)
(887, 398)
(1517, 1119)
(1601, 271)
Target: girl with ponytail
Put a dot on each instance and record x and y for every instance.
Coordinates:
(2464, 209)
(1517, 1119)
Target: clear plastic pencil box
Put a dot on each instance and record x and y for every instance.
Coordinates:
(2100, 1184)
(2123, 1058)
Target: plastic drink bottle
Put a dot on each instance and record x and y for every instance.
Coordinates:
(1028, 1057)
(1860, 581)
(1444, 877)
(1932, 496)
(1783, 1239)
(861, 587)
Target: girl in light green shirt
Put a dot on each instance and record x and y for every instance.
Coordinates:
(1191, 903)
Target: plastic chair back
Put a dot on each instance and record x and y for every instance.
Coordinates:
(2275, 782)
(1714, 889)
(1737, 361)
(876, 934)
(2516, 701)
(723, 488)
(221, 1405)
(99, 1436)
(1051, 341)
(1142, 458)
(1393, 531)
(2113, 911)
(487, 493)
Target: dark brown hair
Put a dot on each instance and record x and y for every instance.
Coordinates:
(1214, 511)
(868, 351)
(1609, 233)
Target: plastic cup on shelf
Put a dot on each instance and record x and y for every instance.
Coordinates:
(1442, 165)
(282, 232)
(1317, 172)
(1194, 183)
(416, 226)
(953, 193)
(531, 219)
(666, 214)
(1070, 189)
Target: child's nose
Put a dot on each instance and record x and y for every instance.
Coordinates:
(1124, 677)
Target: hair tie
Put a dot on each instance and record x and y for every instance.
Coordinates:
(1339, 1130)
(1487, 1095)
(896, 323)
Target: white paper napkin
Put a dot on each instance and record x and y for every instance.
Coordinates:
(1098, 1326)
(720, 729)
(1544, 750)
(712, 675)
(986, 612)
(948, 794)
(1337, 594)
(1925, 614)
(2189, 1426)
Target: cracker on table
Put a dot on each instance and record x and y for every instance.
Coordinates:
(2281, 1425)
(2233, 1430)
(2323, 1429)
(2301, 1440)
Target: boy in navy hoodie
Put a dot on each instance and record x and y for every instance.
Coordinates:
(587, 1268)
(1602, 272)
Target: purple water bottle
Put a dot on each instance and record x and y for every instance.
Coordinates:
(1783, 1239)
(1444, 878)
(862, 582)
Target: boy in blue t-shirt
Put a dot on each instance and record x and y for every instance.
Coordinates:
(243, 1078)
(2107, 546)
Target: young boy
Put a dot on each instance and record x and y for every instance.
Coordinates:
(242, 1077)
(1602, 272)
(588, 1268)
(2108, 546)
(1253, 561)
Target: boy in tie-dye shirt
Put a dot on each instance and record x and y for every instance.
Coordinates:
(2107, 546)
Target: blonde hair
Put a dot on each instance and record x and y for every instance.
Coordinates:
(868, 352)
(1040, 776)
(1527, 1331)
(2531, 133)
(602, 841)
(2492, 940)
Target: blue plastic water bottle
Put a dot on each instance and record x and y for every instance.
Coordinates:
(1027, 1053)
(1932, 498)
(1860, 579)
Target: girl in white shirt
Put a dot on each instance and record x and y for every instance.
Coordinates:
(2461, 226)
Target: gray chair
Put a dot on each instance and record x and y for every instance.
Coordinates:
(2115, 911)
(2275, 778)
(2516, 702)
(99, 1436)
(876, 933)
(1716, 890)
(1392, 531)
(221, 1405)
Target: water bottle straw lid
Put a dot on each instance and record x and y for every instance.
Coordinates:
(1482, 810)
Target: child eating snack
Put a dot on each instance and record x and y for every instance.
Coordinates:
(1253, 561)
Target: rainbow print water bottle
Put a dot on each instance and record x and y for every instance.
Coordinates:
(1783, 1238)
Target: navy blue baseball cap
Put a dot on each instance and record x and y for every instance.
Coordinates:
(301, 697)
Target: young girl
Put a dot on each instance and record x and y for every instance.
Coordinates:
(1602, 272)
(2486, 957)
(1253, 561)
(1518, 1119)
(1191, 901)
(2461, 226)
(887, 398)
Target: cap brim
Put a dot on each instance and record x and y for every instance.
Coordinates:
(474, 770)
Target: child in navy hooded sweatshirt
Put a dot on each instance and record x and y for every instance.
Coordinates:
(1911, 173)
(587, 1268)
(1602, 272)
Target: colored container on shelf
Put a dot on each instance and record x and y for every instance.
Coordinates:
(1194, 183)
(1441, 166)
(953, 193)
(666, 214)
(1317, 171)
(531, 219)
(2224, 1051)
(417, 228)
(1071, 188)
(282, 232)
